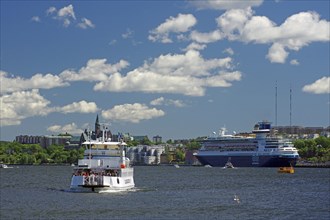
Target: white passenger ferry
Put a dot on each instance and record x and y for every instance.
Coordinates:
(105, 168)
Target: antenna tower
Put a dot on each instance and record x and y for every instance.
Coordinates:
(276, 104)
(290, 108)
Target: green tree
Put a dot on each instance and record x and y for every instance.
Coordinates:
(180, 154)
(24, 158)
(170, 141)
(323, 142)
(16, 153)
(146, 141)
(42, 157)
(314, 150)
(132, 143)
(193, 145)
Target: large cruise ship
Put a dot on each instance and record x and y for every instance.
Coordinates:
(262, 150)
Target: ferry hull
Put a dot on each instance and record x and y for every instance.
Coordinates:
(99, 183)
(100, 189)
(247, 161)
(120, 185)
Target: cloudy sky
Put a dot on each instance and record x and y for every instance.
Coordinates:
(178, 69)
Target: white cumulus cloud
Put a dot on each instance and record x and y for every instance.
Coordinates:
(225, 4)
(229, 51)
(95, 70)
(223, 79)
(295, 32)
(22, 104)
(232, 22)
(71, 128)
(294, 62)
(131, 113)
(128, 34)
(180, 24)
(67, 16)
(37, 81)
(195, 46)
(171, 73)
(140, 80)
(320, 86)
(206, 37)
(277, 53)
(86, 23)
(191, 63)
(81, 107)
(36, 19)
(167, 102)
(66, 11)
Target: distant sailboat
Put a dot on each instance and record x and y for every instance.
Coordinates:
(228, 164)
(236, 198)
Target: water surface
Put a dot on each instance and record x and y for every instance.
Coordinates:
(166, 192)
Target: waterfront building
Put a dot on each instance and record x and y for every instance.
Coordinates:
(73, 143)
(145, 155)
(44, 141)
(49, 140)
(140, 138)
(157, 139)
(300, 130)
(28, 139)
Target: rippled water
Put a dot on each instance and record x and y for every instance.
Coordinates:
(166, 192)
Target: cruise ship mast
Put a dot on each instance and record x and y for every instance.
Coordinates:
(276, 103)
(290, 108)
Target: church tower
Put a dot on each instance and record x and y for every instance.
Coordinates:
(98, 132)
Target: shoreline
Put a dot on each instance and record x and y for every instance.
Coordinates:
(325, 165)
(298, 165)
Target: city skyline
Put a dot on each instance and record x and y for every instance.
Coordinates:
(178, 69)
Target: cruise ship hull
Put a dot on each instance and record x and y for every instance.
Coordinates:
(247, 160)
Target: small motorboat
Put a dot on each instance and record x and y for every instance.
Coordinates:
(228, 164)
(237, 199)
(4, 166)
(286, 170)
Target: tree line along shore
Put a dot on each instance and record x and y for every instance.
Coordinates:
(313, 152)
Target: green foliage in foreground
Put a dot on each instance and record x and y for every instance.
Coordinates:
(16, 153)
(314, 150)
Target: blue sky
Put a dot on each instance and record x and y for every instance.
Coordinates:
(178, 69)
